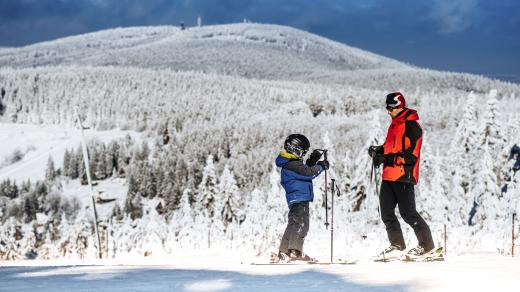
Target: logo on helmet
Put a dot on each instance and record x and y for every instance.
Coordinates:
(395, 100)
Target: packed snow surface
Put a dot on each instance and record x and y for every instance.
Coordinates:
(215, 272)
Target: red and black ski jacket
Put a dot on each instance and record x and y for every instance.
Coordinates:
(403, 140)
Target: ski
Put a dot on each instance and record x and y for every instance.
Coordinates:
(289, 263)
(351, 262)
(340, 262)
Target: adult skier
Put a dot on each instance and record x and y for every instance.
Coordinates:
(400, 156)
(296, 179)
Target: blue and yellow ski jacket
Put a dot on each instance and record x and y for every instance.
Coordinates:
(296, 178)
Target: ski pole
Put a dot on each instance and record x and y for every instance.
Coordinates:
(326, 199)
(513, 235)
(374, 170)
(333, 184)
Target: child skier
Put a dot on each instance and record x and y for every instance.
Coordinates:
(296, 179)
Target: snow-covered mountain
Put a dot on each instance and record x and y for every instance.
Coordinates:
(252, 50)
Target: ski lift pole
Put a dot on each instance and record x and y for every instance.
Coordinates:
(87, 169)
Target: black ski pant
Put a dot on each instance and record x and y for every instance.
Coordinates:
(402, 195)
(297, 227)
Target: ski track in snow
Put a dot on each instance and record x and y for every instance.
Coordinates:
(479, 272)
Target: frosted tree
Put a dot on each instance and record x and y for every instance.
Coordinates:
(50, 172)
(82, 172)
(133, 205)
(433, 195)
(208, 189)
(10, 236)
(230, 199)
(66, 163)
(205, 207)
(486, 191)
(462, 151)
(492, 127)
(253, 229)
(495, 136)
(276, 210)
(73, 168)
(82, 237)
(182, 223)
(101, 163)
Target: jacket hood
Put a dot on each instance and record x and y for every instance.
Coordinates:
(406, 115)
(283, 158)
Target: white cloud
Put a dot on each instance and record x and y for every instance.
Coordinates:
(454, 15)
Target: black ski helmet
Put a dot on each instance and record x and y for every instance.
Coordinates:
(297, 144)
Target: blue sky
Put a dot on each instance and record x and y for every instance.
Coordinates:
(477, 36)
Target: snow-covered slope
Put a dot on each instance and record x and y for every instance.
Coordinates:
(30, 146)
(253, 50)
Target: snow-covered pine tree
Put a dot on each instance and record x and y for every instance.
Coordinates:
(10, 236)
(101, 167)
(66, 163)
(488, 205)
(496, 137)
(276, 211)
(205, 206)
(432, 197)
(230, 199)
(207, 189)
(253, 229)
(181, 227)
(50, 172)
(492, 127)
(93, 160)
(73, 170)
(133, 205)
(462, 153)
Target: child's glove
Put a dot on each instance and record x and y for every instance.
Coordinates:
(313, 158)
(324, 164)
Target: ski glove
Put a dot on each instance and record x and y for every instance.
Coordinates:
(313, 158)
(324, 164)
(385, 159)
(378, 159)
(390, 159)
(373, 150)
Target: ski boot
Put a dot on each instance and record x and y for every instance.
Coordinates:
(298, 256)
(419, 254)
(281, 257)
(390, 253)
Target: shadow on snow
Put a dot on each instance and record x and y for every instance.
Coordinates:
(103, 278)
